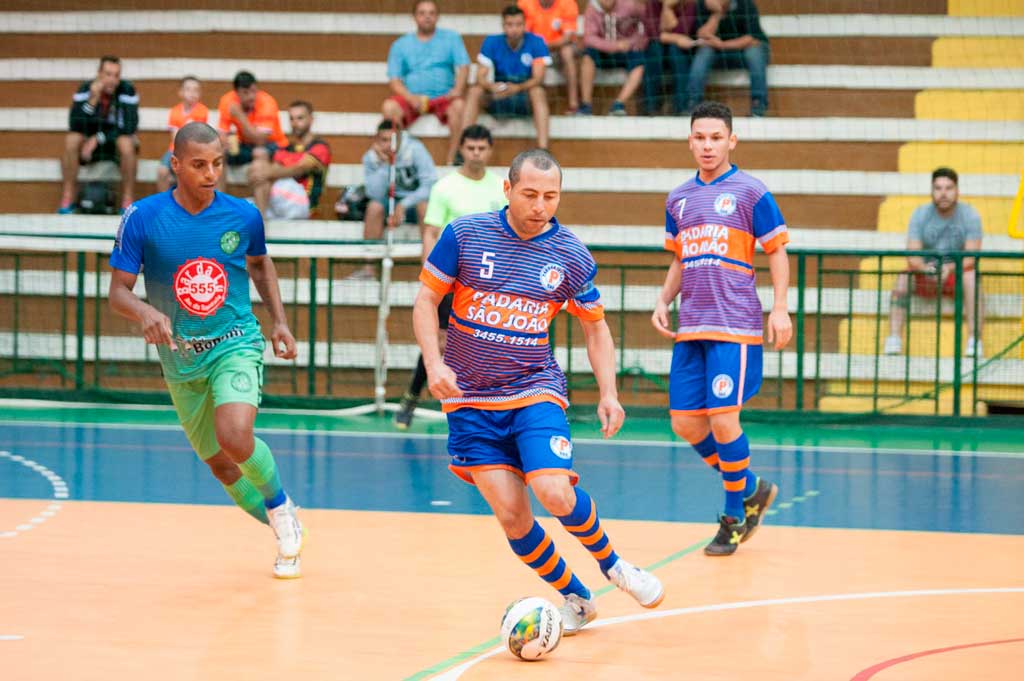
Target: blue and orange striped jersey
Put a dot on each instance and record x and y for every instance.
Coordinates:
(712, 228)
(507, 291)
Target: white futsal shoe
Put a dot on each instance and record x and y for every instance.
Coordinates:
(576, 613)
(287, 568)
(640, 584)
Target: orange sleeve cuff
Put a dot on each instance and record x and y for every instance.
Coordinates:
(592, 313)
(776, 243)
(434, 284)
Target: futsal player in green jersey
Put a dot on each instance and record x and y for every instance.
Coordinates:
(473, 189)
(199, 248)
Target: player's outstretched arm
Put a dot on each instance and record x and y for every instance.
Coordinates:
(156, 327)
(601, 352)
(264, 277)
(780, 327)
(661, 316)
(441, 380)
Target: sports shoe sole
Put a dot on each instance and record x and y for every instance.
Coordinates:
(656, 602)
(774, 492)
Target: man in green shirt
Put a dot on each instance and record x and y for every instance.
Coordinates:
(472, 189)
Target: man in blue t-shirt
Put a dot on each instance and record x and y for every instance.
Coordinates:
(510, 75)
(199, 248)
(427, 73)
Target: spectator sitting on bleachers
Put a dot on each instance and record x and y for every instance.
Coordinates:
(415, 175)
(945, 225)
(288, 186)
(427, 73)
(671, 26)
(510, 75)
(102, 123)
(555, 21)
(187, 110)
(614, 37)
(731, 36)
(249, 123)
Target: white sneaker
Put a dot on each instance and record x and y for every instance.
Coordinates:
(893, 345)
(287, 568)
(287, 528)
(974, 345)
(576, 613)
(640, 584)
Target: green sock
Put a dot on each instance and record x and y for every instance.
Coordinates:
(261, 471)
(248, 498)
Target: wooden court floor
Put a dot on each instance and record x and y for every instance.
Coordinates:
(100, 585)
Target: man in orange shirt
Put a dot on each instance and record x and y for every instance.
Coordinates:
(555, 21)
(188, 110)
(250, 123)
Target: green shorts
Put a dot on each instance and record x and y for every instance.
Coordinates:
(235, 377)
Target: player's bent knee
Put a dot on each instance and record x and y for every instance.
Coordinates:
(555, 493)
(236, 440)
(224, 468)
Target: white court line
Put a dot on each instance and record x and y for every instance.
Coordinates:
(10, 637)
(852, 449)
(60, 493)
(457, 672)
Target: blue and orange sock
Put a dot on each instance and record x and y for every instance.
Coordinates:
(738, 481)
(584, 524)
(708, 451)
(538, 551)
(261, 470)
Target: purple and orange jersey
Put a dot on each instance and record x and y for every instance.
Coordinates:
(711, 228)
(507, 292)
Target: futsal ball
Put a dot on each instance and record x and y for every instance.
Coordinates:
(531, 628)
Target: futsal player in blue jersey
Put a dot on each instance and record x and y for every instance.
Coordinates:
(511, 271)
(198, 249)
(712, 222)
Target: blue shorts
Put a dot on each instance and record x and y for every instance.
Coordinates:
(615, 60)
(511, 107)
(529, 441)
(711, 377)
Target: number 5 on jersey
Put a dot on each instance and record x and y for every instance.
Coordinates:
(487, 258)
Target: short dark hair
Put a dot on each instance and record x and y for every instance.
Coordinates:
(387, 124)
(109, 59)
(476, 132)
(194, 132)
(541, 159)
(303, 103)
(243, 80)
(512, 11)
(712, 110)
(187, 78)
(416, 5)
(946, 172)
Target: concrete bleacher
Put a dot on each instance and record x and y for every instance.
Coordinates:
(867, 97)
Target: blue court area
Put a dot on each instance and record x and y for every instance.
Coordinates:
(819, 487)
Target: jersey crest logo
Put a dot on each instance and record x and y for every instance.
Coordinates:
(725, 204)
(201, 286)
(552, 276)
(526, 58)
(229, 241)
(722, 386)
(561, 446)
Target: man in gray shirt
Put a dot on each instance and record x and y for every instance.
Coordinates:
(415, 175)
(945, 226)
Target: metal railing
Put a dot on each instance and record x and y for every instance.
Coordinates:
(58, 337)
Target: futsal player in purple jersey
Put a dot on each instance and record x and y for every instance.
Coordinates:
(712, 222)
(511, 271)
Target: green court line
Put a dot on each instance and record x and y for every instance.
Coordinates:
(487, 645)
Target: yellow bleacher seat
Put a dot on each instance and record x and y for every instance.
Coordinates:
(992, 53)
(996, 335)
(964, 157)
(970, 105)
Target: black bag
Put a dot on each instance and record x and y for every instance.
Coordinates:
(96, 198)
(351, 205)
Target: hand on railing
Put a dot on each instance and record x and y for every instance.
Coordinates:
(780, 328)
(660, 320)
(283, 342)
